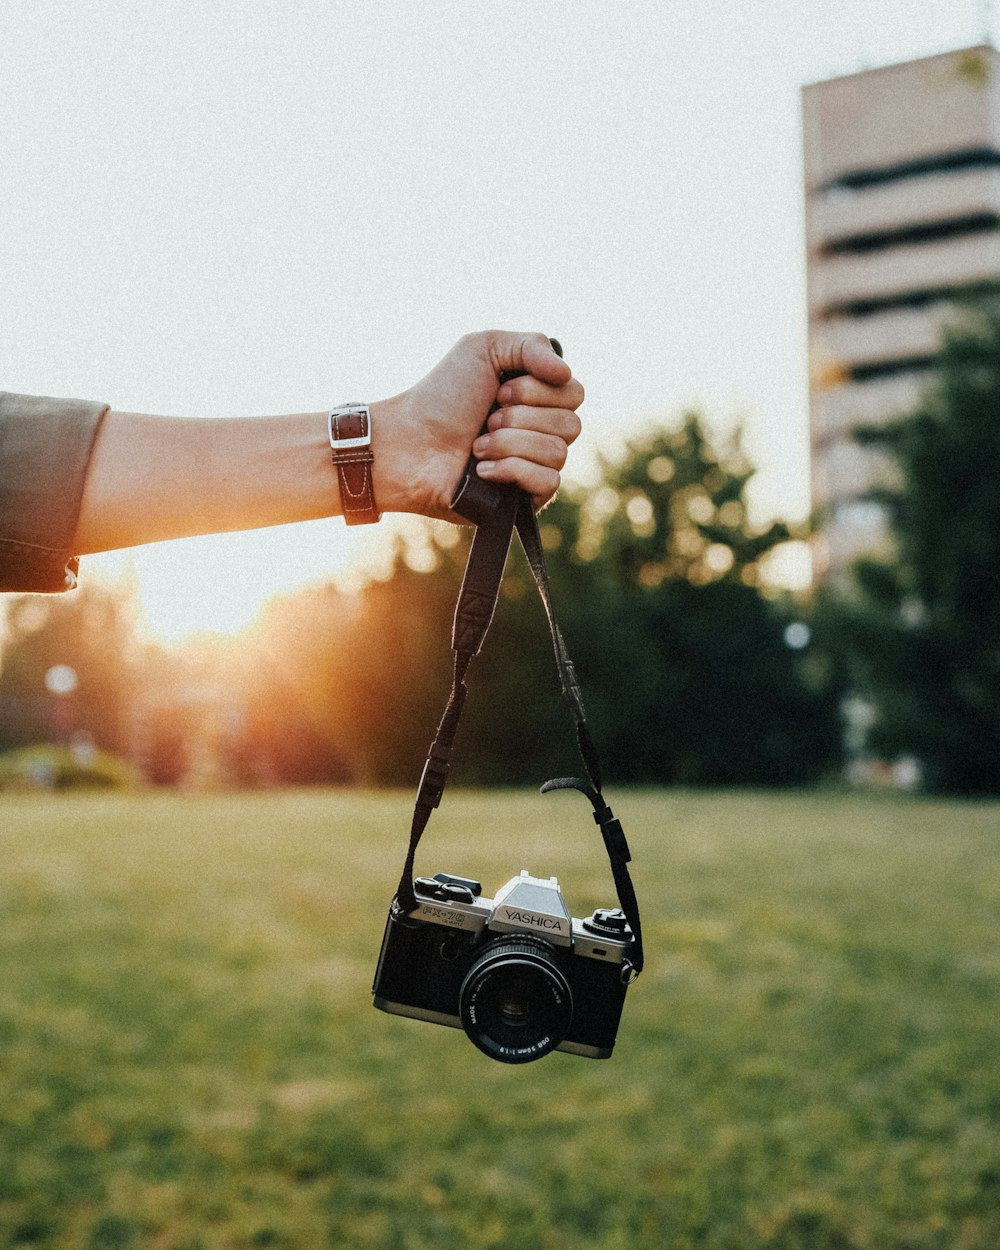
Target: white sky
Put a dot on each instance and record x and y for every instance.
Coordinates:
(250, 207)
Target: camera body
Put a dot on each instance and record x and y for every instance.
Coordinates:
(517, 972)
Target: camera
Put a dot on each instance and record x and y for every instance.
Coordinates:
(517, 972)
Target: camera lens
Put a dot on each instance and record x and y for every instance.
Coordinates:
(515, 1003)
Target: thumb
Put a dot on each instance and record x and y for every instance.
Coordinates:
(529, 353)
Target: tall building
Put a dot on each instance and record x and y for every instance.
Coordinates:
(902, 173)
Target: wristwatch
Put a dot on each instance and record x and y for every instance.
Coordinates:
(350, 428)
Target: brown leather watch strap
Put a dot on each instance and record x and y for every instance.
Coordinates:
(350, 428)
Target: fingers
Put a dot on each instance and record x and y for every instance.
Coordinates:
(562, 422)
(522, 446)
(528, 438)
(539, 481)
(536, 393)
(528, 458)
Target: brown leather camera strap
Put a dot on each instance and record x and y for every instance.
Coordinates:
(511, 508)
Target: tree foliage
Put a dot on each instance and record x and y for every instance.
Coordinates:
(674, 509)
(696, 683)
(922, 631)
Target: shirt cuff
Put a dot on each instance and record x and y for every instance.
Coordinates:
(45, 448)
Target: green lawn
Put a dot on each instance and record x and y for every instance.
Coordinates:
(189, 1059)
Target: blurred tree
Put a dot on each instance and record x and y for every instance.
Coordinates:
(363, 671)
(922, 634)
(89, 632)
(698, 684)
(344, 687)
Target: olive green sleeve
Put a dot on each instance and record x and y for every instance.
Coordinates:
(45, 447)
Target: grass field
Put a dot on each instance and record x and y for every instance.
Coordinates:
(189, 1059)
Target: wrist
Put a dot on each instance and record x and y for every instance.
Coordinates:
(396, 470)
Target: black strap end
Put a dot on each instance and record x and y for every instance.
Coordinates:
(481, 502)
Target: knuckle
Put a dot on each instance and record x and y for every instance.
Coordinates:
(479, 343)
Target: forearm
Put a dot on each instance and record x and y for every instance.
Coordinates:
(153, 478)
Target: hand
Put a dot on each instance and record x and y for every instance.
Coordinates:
(423, 437)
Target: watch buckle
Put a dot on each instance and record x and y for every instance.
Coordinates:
(345, 444)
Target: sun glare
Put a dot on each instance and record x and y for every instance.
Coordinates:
(219, 584)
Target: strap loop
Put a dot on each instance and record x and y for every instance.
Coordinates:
(619, 856)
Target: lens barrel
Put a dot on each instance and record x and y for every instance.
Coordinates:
(515, 1004)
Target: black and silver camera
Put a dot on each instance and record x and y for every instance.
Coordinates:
(517, 972)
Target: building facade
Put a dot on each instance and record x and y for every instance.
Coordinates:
(902, 180)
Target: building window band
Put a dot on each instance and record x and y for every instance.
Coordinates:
(966, 293)
(877, 369)
(945, 163)
(902, 236)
